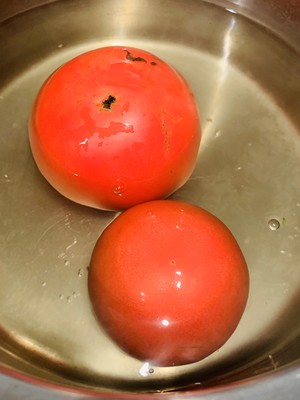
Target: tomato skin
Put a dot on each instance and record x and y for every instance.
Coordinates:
(115, 127)
(168, 282)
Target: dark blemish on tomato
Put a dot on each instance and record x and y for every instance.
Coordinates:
(106, 104)
(131, 58)
(153, 63)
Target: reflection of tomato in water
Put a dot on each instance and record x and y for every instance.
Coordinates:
(115, 127)
(168, 282)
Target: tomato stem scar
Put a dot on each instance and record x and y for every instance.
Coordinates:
(131, 58)
(106, 104)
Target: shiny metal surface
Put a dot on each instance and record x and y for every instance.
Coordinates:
(246, 80)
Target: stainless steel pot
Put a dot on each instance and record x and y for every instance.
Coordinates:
(242, 60)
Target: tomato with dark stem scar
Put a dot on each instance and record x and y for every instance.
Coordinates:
(115, 127)
(168, 282)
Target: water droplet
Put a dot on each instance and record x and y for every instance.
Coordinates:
(69, 299)
(125, 108)
(119, 188)
(274, 224)
(146, 370)
(285, 288)
(60, 45)
(282, 251)
(217, 133)
(80, 273)
(239, 168)
(67, 219)
(273, 362)
(44, 284)
(6, 177)
(72, 244)
(61, 296)
(298, 204)
(67, 263)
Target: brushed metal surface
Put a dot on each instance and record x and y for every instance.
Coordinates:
(246, 82)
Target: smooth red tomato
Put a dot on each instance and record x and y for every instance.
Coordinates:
(115, 127)
(168, 282)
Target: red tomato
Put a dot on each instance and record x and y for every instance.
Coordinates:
(115, 127)
(168, 282)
